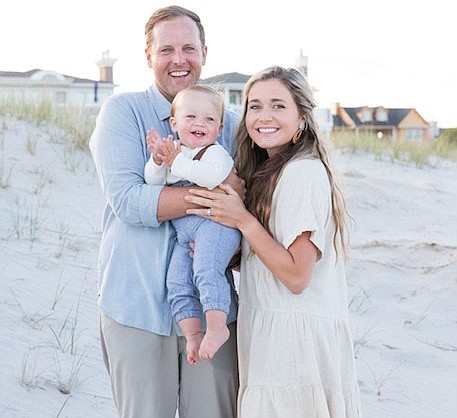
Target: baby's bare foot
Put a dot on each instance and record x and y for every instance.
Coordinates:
(212, 341)
(193, 342)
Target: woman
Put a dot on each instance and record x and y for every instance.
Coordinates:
(295, 348)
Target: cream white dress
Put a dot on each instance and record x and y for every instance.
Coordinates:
(295, 352)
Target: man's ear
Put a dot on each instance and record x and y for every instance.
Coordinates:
(148, 57)
(204, 52)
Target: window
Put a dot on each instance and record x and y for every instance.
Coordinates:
(366, 115)
(381, 115)
(414, 134)
(235, 97)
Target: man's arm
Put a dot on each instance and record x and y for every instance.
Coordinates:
(172, 204)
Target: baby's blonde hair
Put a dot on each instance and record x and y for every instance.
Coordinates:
(199, 88)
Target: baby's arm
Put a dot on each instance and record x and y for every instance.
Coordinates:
(156, 144)
(210, 171)
(155, 172)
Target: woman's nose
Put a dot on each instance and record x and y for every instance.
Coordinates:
(265, 114)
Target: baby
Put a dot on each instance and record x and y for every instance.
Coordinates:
(197, 287)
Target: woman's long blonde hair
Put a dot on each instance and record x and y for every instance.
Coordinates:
(262, 173)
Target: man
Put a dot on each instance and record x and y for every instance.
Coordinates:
(145, 357)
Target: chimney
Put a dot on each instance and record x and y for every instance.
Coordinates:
(335, 108)
(106, 67)
(302, 63)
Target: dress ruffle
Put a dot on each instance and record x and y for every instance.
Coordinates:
(295, 365)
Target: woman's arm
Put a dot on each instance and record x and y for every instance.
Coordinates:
(293, 266)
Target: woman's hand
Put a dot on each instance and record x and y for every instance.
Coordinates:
(226, 208)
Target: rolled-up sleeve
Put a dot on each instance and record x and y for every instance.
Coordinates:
(118, 148)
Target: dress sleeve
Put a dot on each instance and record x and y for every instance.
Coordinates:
(301, 203)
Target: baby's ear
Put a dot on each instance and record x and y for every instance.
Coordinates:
(173, 124)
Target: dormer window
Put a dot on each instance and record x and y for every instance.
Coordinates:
(366, 115)
(47, 75)
(381, 115)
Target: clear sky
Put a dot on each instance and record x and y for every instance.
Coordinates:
(392, 53)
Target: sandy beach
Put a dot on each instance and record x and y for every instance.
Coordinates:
(402, 280)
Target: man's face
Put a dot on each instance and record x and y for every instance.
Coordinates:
(176, 55)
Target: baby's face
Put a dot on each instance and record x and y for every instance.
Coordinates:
(197, 119)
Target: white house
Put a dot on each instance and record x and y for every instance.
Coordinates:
(61, 89)
(231, 86)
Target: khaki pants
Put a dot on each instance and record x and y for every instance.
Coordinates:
(150, 375)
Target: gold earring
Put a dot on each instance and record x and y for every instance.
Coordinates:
(252, 144)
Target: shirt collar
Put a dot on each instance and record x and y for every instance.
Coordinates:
(161, 104)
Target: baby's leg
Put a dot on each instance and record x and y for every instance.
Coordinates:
(217, 333)
(215, 245)
(192, 330)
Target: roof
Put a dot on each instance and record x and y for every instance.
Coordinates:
(394, 116)
(227, 78)
(31, 73)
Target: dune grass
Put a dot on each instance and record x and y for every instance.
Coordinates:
(74, 125)
(418, 153)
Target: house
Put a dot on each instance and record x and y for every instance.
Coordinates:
(406, 124)
(231, 86)
(61, 89)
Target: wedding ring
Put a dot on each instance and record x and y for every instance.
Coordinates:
(208, 211)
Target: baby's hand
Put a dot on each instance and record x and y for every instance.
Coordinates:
(169, 150)
(154, 143)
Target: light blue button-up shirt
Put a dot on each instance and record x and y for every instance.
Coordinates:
(135, 247)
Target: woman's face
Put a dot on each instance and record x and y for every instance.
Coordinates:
(272, 117)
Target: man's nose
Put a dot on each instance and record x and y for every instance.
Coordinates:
(179, 57)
